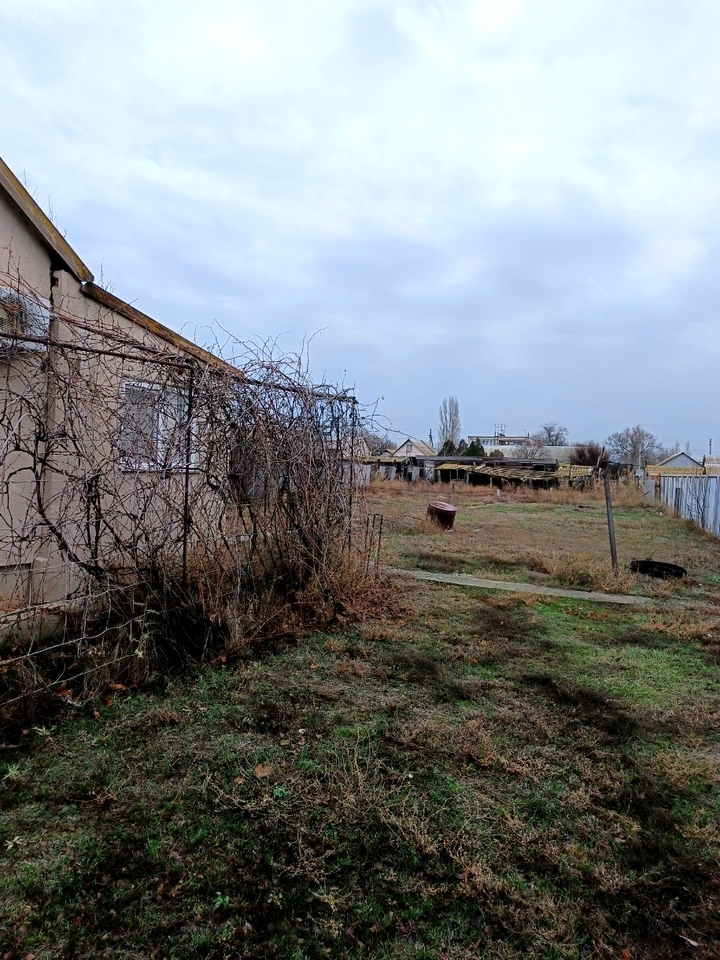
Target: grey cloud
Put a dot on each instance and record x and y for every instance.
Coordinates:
(524, 214)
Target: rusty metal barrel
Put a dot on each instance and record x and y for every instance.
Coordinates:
(441, 513)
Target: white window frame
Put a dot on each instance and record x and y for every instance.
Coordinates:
(167, 447)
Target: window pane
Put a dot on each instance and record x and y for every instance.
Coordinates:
(139, 431)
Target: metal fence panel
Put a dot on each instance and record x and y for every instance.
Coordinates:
(694, 498)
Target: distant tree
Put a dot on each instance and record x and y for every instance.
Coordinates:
(496, 455)
(588, 454)
(430, 441)
(461, 449)
(635, 445)
(377, 441)
(448, 449)
(552, 435)
(449, 417)
(475, 449)
(532, 449)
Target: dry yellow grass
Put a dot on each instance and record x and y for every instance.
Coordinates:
(558, 536)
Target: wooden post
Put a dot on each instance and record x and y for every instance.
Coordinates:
(610, 522)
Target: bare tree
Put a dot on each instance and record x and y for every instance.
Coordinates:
(552, 435)
(376, 439)
(636, 445)
(532, 449)
(449, 417)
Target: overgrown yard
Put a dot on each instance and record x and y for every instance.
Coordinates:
(559, 537)
(470, 774)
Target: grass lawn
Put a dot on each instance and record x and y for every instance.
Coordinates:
(471, 775)
(555, 537)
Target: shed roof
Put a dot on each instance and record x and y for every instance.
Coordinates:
(41, 224)
(680, 459)
(512, 472)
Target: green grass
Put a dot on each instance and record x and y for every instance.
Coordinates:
(478, 776)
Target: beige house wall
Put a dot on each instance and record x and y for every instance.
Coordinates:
(22, 255)
(145, 504)
(25, 264)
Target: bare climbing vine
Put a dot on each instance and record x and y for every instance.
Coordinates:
(156, 502)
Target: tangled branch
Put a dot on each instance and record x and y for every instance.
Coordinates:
(157, 493)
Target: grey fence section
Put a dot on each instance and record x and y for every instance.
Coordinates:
(694, 498)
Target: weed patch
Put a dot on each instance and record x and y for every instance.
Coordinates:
(586, 706)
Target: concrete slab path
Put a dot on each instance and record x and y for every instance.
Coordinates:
(465, 580)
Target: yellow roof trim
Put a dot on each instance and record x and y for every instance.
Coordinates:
(42, 225)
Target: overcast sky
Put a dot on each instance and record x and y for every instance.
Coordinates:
(513, 202)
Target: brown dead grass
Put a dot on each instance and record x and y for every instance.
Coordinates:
(558, 534)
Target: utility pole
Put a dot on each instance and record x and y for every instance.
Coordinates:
(611, 523)
(609, 509)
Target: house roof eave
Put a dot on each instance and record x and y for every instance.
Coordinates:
(41, 224)
(109, 300)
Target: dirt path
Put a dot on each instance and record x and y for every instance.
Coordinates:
(465, 580)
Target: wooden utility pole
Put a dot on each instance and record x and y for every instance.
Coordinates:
(610, 521)
(601, 465)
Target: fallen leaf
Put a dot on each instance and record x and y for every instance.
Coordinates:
(117, 686)
(263, 770)
(693, 943)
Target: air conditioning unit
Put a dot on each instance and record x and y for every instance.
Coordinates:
(22, 316)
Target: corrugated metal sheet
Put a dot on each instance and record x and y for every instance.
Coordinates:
(694, 498)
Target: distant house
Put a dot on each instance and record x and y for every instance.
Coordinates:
(101, 449)
(499, 441)
(412, 460)
(676, 465)
(414, 448)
